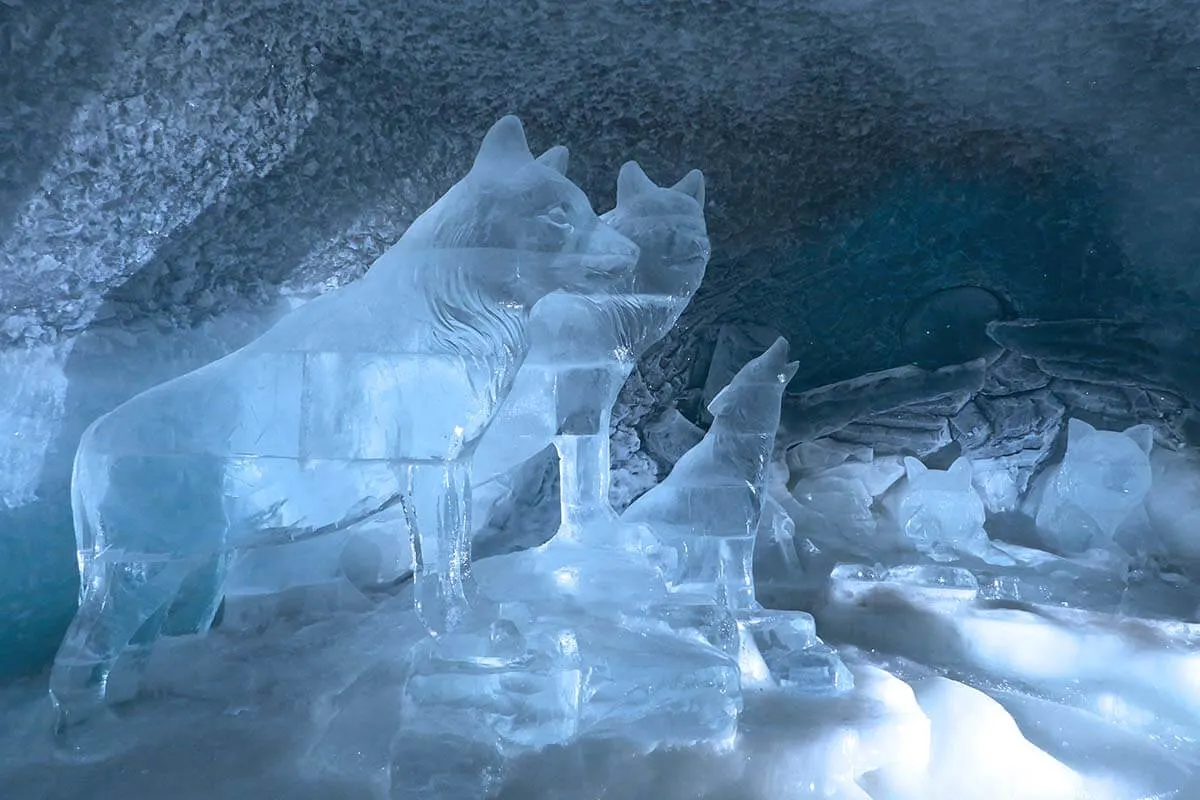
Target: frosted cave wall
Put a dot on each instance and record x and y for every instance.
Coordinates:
(172, 174)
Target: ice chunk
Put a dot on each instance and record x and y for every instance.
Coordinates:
(462, 684)
(1002, 481)
(671, 435)
(933, 583)
(1102, 478)
(781, 648)
(652, 666)
(368, 397)
(837, 503)
(808, 458)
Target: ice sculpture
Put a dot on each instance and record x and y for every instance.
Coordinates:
(834, 491)
(1103, 477)
(368, 398)
(586, 639)
(707, 513)
(1173, 503)
(583, 348)
(938, 511)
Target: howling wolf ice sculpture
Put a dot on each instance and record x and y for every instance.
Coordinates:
(370, 397)
(707, 513)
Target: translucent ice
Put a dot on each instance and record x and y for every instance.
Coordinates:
(938, 511)
(646, 663)
(1173, 503)
(370, 397)
(708, 508)
(835, 491)
(1103, 477)
(583, 347)
(708, 512)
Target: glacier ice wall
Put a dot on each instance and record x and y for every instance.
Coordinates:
(167, 171)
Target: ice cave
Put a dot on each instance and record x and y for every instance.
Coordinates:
(703, 400)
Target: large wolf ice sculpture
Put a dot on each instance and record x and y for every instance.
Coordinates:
(581, 350)
(367, 398)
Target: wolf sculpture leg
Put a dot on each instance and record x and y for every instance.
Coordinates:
(438, 511)
(196, 603)
(120, 599)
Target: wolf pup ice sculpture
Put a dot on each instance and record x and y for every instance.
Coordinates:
(938, 511)
(368, 397)
(1102, 478)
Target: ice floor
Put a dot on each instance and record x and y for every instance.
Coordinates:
(953, 699)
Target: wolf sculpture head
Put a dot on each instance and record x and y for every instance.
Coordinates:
(525, 208)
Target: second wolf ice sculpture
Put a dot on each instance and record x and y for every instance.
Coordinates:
(586, 639)
(369, 397)
(583, 348)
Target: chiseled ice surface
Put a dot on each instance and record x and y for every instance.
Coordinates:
(1101, 481)
(965, 684)
(583, 348)
(939, 511)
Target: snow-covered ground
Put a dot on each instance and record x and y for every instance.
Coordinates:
(983, 703)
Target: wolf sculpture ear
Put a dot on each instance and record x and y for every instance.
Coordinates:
(504, 144)
(1078, 429)
(692, 185)
(555, 158)
(961, 471)
(632, 181)
(1142, 435)
(913, 468)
